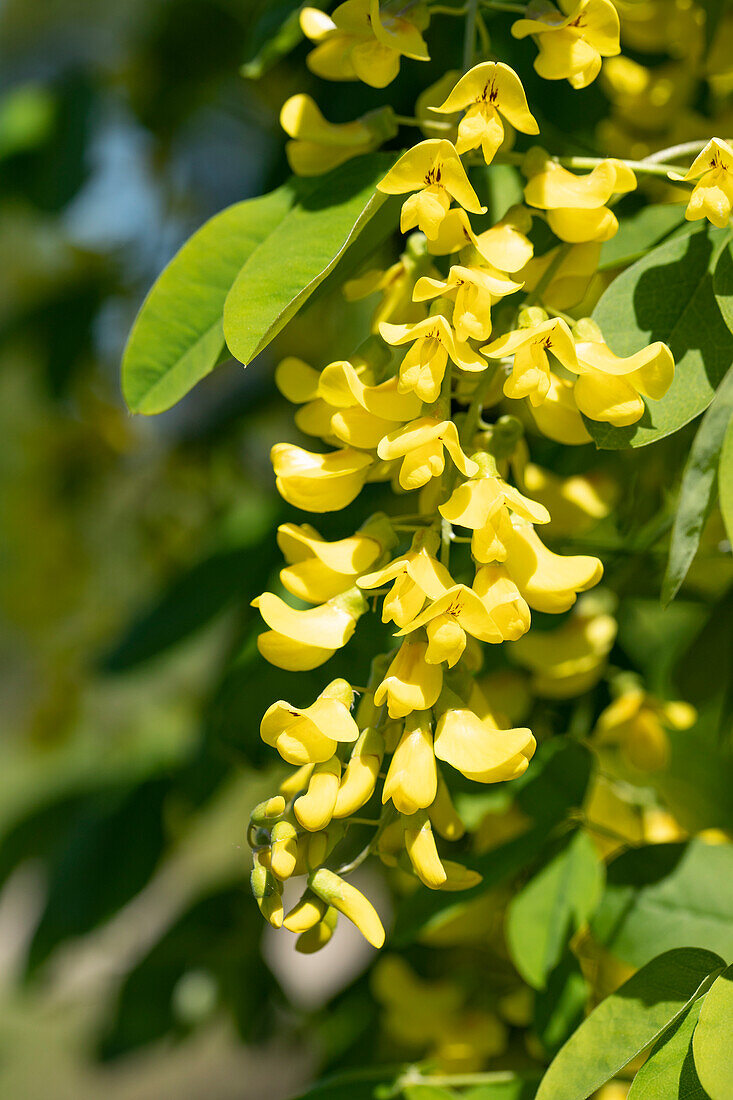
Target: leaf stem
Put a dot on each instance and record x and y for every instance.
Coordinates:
(469, 38)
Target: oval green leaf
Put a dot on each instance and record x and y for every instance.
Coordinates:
(293, 261)
(551, 907)
(668, 295)
(723, 283)
(625, 1023)
(177, 337)
(667, 895)
(712, 1043)
(697, 491)
(669, 1070)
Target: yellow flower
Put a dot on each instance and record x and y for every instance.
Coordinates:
(571, 277)
(306, 913)
(636, 722)
(558, 417)
(569, 660)
(314, 809)
(479, 750)
(548, 582)
(320, 145)
(300, 640)
(359, 43)
(348, 900)
(360, 777)
(319, 483)
(576, 504)
(283, 849)
(474, 290)
(712, 197)
(412, 778)
(420, 445)
(422, 850)
(296, 380)
(483, 506)
(434, 171)
(342, 386)
(531, 374)
(443, 814)
(410, 683)
(505, 246)
(318, 936)
(609, 387)
(311, 735)
(576, 205)
(317, 569)
(416, 575)
(572, 41)
(433, 342)
(492, 611)
(487, 92)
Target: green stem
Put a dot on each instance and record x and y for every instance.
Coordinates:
(499, 5)
(470, 424)
(469, 39)
(434, 124)
(647, 167)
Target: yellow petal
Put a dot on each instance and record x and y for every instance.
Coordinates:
(360, 778)
(410, 684)
(412, 778)
(422, 851)
(314, 809)
(348, 900)
(319, 483)
(296, 380)
(549, 582)
(480, 752)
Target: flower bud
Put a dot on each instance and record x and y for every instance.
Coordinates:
(284, 849)
(314, 809)
(423, 853)
(318, 936)
(306, 914)
(360, 777)
(269, 810)
(349, 901)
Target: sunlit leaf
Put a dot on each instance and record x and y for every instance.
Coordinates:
(712, 1043)
(626, 1022)
(178, 336)
(670, 1070)
(697, 491)
(668, 296)
(661, 896)
(296, 257)
(553, 904)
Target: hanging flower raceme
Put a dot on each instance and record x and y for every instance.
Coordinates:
(576, 205)
(359, 42)
(372, 766)
(433, 170)
(573, 40)
(486, 93)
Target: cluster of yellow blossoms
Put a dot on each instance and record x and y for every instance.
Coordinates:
(414, 419)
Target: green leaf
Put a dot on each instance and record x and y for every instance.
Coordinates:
(625, 1023)
(669, 1072)
(723, 283)
(293, 261)
(640, 232)
(697, 491)
(661, 896)
(276, 33)
(712, 1043)
(559, 1009)
(668, 296)
(725, 481)
(427, 1092)
(554, 904)
(177, 337)
(556, 783)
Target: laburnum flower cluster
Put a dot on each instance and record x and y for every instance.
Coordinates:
(410, 409)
